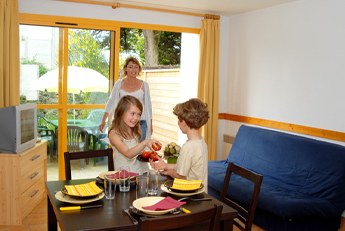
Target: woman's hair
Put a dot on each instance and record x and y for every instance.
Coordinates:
(118, 123)
(134, 60)
(194, 112)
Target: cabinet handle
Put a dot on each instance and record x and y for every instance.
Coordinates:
(36, 173)
(35, 193)
(35, 157)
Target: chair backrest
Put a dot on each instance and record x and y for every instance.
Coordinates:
(87, 154)
(184, 220)
(244, 215)
(78, 139)
(96, 115)
(42, 122)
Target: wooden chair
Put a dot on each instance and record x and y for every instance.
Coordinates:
(87, 154)
(174, 222)
(244, 215)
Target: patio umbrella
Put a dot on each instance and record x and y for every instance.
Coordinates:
(78, 79)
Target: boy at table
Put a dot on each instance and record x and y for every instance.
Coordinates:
(192, 161)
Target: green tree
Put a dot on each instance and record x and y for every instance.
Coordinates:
(85, 50)
(169, 48)
(163, 44)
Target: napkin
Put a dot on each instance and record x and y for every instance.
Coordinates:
(123, 172)
(186, 184)
(165, 204)
(89, 189)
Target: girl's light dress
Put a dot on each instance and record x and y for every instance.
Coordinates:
(135, 165)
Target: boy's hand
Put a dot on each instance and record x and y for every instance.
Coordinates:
(159, 165)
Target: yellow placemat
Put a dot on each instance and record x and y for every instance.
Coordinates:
(89, 189)
(186, 184)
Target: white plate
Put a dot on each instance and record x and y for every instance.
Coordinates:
(64, 198)
(182, 194)
(101, 175)
(147, 201)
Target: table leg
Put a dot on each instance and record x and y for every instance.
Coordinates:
(52, 222)
(226, 225)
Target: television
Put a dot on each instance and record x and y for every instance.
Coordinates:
(18, 128)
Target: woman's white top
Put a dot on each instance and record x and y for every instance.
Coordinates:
(115, 97)
(139, 94)
(135, 165)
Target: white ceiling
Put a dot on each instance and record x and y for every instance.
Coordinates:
(218, 7)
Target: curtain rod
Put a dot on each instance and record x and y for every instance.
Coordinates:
(118, 5)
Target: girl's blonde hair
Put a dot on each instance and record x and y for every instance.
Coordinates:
(118, 123)
(134, 60)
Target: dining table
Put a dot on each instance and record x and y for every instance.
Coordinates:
(83, 123)
(110, 215)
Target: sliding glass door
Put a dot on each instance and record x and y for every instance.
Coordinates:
(66, 72)
(65, 62)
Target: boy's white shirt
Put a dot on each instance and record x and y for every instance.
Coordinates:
(193, 161)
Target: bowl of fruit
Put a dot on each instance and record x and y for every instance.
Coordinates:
(146, 155)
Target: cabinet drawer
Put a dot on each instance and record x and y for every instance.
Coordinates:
(31, 177)
(32, 159)
(31, 197)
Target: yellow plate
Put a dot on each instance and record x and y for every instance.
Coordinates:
(164, 189)
(168, 184)
(83, 187)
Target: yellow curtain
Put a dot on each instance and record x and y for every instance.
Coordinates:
(9, 53)
(208, 81)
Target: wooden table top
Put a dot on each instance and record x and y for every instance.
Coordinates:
(111, 216)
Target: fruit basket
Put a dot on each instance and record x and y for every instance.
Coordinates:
(171, 152)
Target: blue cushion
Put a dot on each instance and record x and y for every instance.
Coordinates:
(294, 163)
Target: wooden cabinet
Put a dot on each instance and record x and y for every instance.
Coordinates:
(22, 186)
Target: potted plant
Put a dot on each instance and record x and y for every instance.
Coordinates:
(171, 152)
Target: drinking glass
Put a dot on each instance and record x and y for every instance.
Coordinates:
(109, 187)
(124, 179)
(152, 182)
(141, 187)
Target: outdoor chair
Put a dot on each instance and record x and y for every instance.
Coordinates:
(245, 216)
(96, 116)
(87, 154)
(46, 133)
(183, 220)
(78, 140)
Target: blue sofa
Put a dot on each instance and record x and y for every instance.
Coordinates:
(303, 184)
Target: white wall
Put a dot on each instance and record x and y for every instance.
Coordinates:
(286, 63)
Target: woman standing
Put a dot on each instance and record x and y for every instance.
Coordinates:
(131, 85)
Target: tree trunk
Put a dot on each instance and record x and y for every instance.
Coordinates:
(151, 47)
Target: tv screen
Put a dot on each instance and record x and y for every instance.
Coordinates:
(27, 118)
